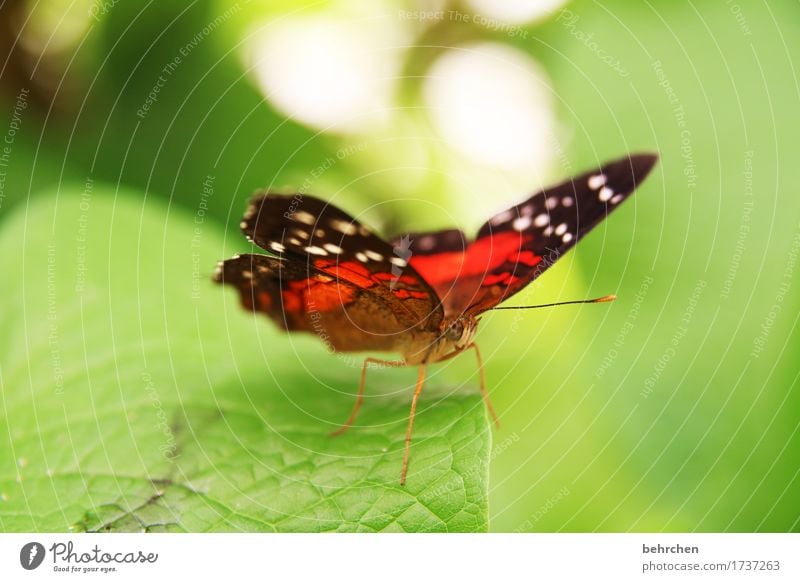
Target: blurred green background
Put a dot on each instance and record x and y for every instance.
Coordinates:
(674, 409)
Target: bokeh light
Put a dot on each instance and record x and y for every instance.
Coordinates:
(493, 103)
(330, 74)
(516, 11)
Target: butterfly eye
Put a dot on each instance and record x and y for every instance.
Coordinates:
(455, 331)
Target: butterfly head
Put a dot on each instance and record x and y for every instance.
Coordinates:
(458, 333)
(454, 335)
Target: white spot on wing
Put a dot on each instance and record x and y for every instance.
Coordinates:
(315, 251)
(398, 261)
(342, 226)
(426, 243)
(567, 201)
(541, 220)
(361, 257)
(331, 248)
(596, 181)
(521, 223)
(277, 247)
(561, 229)
(617, 199)
(373, 255)
(567, 237)
(304, 217)
(605, 194)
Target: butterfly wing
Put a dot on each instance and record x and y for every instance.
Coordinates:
(330, 275)
(517, 245)
(341, 313)
(440, 255)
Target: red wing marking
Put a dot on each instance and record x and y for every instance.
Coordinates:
(298, 298)
(480, 257)
(350, 271)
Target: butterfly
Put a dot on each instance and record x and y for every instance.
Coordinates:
(420, 295)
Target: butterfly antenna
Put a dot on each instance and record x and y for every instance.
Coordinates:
(604, 299)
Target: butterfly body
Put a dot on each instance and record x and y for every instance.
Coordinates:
(421, 295)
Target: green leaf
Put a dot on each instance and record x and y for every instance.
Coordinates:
(137, 395)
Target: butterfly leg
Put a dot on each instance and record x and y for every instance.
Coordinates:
(417, 392)
(360, 396)
(484, 391)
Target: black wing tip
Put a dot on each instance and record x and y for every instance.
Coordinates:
(218, 276)
(257, 209)
(629, 172)
(642, 164)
